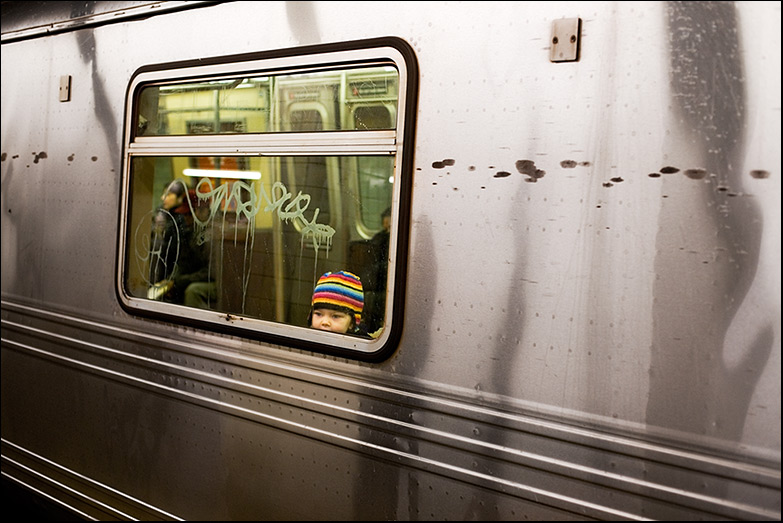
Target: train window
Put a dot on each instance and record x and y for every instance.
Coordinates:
(246, 181)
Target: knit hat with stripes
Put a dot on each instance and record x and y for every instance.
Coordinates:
(340, 291)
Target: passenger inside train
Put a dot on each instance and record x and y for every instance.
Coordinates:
(179, 261)
(338, 300)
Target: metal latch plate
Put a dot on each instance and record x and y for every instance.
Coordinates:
(65, 88)
(565, 40)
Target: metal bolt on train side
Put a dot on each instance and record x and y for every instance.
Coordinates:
(392, 260)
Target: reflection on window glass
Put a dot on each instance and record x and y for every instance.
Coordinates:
(375, 185)
(251, 236)
(372, 117)
(263, 104)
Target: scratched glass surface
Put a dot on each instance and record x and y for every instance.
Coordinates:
(250, 235)
(362, 97)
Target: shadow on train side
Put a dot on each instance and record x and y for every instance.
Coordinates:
(22, 502)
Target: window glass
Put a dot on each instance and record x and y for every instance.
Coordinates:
(241, 242)
(251, 241)
(375, 185)
(261, 104)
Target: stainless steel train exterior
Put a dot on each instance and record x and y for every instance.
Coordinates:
(581, 310)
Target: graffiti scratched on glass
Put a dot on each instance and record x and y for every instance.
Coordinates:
(230, 196)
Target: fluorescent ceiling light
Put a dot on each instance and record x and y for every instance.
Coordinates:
(222, 173)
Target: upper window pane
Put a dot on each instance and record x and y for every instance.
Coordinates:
(364, 98)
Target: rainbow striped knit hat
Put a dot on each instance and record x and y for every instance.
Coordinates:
(340, 290)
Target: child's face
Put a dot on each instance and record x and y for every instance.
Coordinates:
(330, 320)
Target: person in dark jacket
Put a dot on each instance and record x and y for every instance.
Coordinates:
(179, 262)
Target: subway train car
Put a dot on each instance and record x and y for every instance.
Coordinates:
(539, 243)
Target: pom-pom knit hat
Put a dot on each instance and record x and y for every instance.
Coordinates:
(340, 290)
